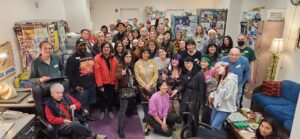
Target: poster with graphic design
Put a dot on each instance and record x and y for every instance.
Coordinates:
(213, 18)
(86, 66)
(53, 37)
(184, 22)
(41, 34)
(27, 46)
(62, 36)
(7, 67)
(249, 26)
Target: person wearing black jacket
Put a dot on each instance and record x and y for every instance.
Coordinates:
(80, 71)
(121, 33)
(192, 88)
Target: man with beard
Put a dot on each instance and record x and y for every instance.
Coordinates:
(80, 71)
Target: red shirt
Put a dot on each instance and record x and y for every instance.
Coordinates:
(59, 120)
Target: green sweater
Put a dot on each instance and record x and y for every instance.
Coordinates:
(39, 68)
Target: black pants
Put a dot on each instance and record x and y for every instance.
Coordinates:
(75, 129)
(107, 97)
(123, 108)
(190, 103)
(171, 119)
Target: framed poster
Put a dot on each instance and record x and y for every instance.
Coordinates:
(7, 67)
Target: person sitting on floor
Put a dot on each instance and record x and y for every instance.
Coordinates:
(158, 117)
(58, 110)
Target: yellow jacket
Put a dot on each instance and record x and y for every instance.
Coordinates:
(146, 72)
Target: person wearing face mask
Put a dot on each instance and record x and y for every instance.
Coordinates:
(249, 54)
(80, 71)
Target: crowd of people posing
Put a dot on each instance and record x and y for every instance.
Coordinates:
(130, 64)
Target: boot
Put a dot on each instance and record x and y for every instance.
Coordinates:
(121, 133)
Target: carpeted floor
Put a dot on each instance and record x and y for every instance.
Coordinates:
(109, 127)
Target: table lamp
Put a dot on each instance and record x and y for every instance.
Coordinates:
(276, 48)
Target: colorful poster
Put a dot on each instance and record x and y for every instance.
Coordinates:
(41, 34)
(7, 67)
(27, 46)
(62, 35)
(184, 22)
(249, 26)
(53, 37)
(213, 18)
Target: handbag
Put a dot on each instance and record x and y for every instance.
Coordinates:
(127, 93)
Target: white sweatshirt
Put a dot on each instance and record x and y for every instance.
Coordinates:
(225, 95)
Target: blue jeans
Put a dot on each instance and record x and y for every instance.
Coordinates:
(218, 118)
(239, 95)
(86, 98)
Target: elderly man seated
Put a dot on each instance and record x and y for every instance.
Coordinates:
(61, 111)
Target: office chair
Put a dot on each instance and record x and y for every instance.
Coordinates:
(42, 91)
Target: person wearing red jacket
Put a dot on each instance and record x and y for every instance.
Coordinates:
(58, 111)
(105, 67)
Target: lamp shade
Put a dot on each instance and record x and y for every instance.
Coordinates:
(277, 45)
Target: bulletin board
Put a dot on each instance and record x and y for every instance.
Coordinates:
(213, 17)
(30, 34)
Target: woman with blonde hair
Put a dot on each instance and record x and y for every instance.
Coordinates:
(200, 37)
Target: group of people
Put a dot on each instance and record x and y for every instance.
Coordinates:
(189, 73)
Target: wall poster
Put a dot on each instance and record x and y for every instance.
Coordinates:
(188, 22)
(213, 18)
(7, 67)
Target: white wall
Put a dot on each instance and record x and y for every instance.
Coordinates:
(290, 66)
(103, 11)
(78, 14)
(234, 18)
(18, 10)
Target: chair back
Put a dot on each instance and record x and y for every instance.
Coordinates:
(41, 91)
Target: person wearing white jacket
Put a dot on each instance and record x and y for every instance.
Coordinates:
(223, 99)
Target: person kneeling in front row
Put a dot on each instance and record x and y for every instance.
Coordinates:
(58, 109)
(159, 119)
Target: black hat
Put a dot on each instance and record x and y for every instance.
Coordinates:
(80, 41)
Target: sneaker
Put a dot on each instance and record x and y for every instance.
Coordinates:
(101, 116)
(99, 136)
(111, 115)
(121, 133)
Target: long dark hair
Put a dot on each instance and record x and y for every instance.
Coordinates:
(128, 45)
(274, 126)
(180, 60)
(216, 54)
(126, 52)
(223, 47)
(116, 46)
